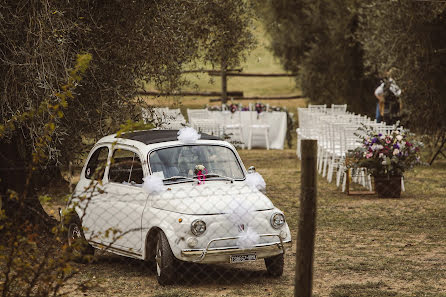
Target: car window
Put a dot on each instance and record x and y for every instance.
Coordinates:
(126, 168)
(96, 165)
(181, 161)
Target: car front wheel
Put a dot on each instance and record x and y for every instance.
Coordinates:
(80, 249)
(165, 261)
(274, 265)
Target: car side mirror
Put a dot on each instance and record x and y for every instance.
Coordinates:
(251, 169)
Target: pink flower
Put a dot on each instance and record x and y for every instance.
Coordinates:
(369, 155)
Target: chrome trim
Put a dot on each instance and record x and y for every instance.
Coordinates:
(194, 231)
(109, 248)
(271, 220)
(202, 253)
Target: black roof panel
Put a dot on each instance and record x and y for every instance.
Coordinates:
(157, 136)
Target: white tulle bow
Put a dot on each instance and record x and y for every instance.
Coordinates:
(255, 180)
(153, 184)
(188, 135)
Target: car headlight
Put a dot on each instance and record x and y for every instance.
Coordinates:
(277, 220)
(198, 227)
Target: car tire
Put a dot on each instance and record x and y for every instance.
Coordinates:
(274, 265)
(165, 261)
(80, 250)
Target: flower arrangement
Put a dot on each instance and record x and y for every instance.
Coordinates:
(385, 155)
(233, 107)
(200, 169)
(260, 107)
(200, 172)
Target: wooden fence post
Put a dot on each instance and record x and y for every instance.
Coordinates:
(307, 220)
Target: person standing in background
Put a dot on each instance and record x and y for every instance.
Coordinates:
(389, 103)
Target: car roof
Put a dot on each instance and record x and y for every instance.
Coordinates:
(146, 140)
(157, 136)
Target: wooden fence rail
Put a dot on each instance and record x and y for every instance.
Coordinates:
(205, 94)
(224, 73)
(290, 97)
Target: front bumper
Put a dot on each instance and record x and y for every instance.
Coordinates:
(222, 254)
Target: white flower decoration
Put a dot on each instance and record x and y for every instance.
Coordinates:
(153, 184)
(248, 239)
(188, 135)
(255, 180)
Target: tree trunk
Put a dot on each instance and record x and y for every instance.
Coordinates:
(19, 198)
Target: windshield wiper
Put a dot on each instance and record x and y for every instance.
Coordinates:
(175, 178)
(219, 176)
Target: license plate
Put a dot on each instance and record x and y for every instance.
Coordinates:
(242, 258)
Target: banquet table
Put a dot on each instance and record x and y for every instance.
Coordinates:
(276, 119)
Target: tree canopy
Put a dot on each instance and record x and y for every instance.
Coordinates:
(339, 48)
(411, 37)
(130, 42)
(316, 40)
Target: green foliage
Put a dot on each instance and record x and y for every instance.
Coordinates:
(46, 111)
(130, 42)
(338, 48)
(44, 199)
(33, 263)
(316, 40)
(227, 25)
(411, 37)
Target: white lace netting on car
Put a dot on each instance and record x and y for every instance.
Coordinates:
(240, 213)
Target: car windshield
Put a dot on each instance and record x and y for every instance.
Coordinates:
(183, 162)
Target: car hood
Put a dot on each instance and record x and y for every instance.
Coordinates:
(211, 198)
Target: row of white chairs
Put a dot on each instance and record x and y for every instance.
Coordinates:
(336, 131)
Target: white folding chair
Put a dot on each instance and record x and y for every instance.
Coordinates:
(258, 123)
(338, 108)
(208, 126)
(232, 127)
(318, 107)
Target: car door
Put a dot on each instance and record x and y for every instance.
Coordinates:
(124, 201)
(90, 190)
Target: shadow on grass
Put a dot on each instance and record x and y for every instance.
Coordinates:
(187, 273)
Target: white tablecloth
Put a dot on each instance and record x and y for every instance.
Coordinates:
(276, 119)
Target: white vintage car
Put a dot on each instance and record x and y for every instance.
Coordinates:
(215, 217)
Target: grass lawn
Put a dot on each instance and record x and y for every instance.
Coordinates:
(365, 246)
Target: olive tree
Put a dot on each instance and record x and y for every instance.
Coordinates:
(316, 40)
(130, 42)
(410, 36)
